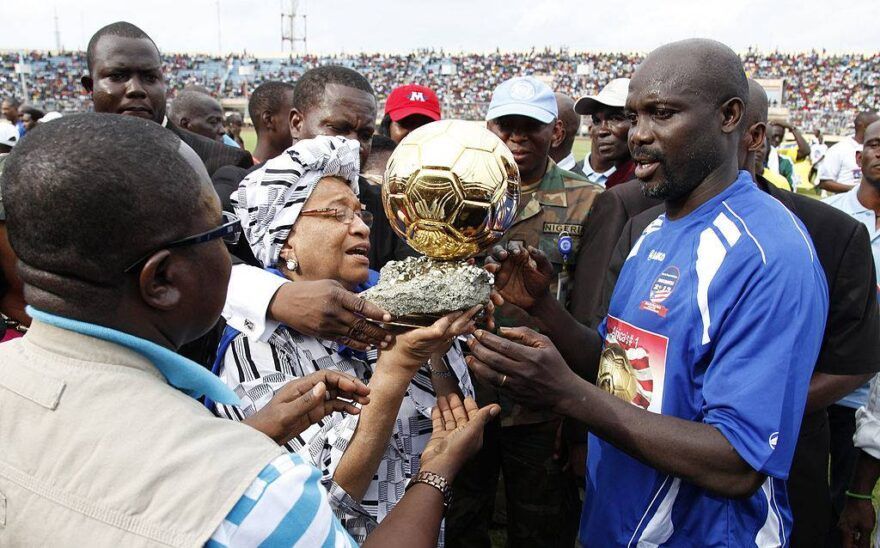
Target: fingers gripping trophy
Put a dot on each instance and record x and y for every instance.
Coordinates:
(450, 190)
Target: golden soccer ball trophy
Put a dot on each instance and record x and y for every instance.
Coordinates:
(451, 189)
(616, 374)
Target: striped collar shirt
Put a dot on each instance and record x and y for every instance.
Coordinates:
(285, 505)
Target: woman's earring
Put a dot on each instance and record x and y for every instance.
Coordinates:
(292, 265)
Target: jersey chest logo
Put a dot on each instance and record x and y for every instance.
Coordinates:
(660, 290)
(633, 364)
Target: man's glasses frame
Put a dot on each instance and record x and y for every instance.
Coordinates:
(229, 231)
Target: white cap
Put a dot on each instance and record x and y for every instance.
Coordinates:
(49, 117)
(612, 95)
(8, 135)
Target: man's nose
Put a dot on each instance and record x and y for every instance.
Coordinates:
(135, 87)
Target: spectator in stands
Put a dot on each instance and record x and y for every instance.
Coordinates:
(609, 162)
(824, 89)
(30, 116)
(407, 108)
(839, 171)
(199, 113)
(234, 123)
(269, 109)
(377, 161)
(9, 109)
(569, 122)
(125, 77)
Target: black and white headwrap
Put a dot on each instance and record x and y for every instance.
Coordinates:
(269, 200)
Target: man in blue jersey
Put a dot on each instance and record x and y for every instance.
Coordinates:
(701, 377)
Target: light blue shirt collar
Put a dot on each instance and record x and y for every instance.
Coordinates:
(181, 373)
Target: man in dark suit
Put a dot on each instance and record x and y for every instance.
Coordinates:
(850, 352)
(125, 77)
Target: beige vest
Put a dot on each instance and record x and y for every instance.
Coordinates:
(96, 449)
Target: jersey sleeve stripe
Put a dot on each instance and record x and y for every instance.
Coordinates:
(660, 528)
(770, 532)
(727, 228)
(710, 255)
(749, 232)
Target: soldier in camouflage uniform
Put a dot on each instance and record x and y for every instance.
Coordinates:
(543, 508)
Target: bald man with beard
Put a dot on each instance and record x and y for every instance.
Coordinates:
(701, 385)
(569, 122)
(850, 352)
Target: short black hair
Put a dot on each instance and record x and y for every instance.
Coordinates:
(865, 118)
(185, 101)
(310, 87)
(119, 28)
(12, 101)
(381, 143)
(268, 96)
(385, 126)
(88, 194)
(35, 113)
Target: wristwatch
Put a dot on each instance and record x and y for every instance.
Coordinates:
(436, 481)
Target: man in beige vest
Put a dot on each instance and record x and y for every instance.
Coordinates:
(102, 442)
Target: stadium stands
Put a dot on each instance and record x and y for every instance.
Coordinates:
(822, 90)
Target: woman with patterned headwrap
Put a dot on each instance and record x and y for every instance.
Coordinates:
(303, 221)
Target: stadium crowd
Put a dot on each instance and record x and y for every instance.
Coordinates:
(678, 349)
(823, 90)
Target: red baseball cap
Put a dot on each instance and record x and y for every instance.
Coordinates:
(412, 99)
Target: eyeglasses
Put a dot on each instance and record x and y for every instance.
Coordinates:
(230, 230)
(344, 215)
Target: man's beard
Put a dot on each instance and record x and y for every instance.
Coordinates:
(670, 188)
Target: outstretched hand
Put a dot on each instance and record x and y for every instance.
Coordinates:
(458, 434)
(303, 402)
(325, 309)
(522, 363)
(416, 346)
(522, 275)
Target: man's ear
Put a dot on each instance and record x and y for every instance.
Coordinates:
(87, 83)
(757, 134)
(183, 122)
(296, 122)
(558, 134)
(858, 157)
(159, 281)
(732, 112)
(267, 120)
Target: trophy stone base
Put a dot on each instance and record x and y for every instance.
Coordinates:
(418, 290)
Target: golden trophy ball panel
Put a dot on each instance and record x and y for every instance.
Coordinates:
(451, 189)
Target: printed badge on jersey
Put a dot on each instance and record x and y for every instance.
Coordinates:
(633, 364)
